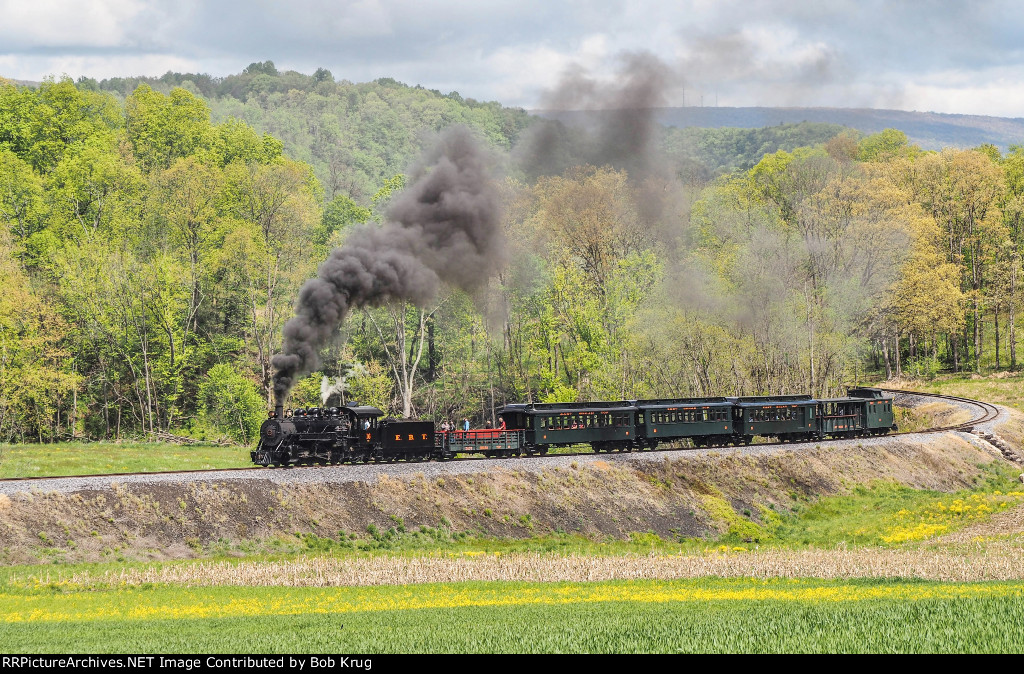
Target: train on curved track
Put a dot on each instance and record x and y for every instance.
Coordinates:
(361, 434)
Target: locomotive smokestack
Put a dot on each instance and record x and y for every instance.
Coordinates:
(279, 411)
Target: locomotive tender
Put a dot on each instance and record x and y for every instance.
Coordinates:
(358, 433)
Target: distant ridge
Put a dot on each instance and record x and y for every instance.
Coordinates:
(930, 130)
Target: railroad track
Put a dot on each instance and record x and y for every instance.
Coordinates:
(986, 412)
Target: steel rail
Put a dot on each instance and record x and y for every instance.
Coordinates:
(989, 412)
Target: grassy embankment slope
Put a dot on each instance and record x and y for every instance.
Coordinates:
(822, 576)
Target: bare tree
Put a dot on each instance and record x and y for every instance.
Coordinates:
(403, 341)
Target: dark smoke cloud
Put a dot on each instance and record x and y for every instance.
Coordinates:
(725, 62)
(614, 123)
(445, 228)
(620, 128)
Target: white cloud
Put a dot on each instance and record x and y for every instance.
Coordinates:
(100, 67)
(522, 73)
(60, 23)
(946, 56)
(362, 18)
(996, 91)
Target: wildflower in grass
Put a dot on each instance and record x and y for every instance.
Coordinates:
(937, 518)
(916, 533)
(212, 603)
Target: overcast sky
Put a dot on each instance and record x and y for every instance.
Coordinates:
(942, 56)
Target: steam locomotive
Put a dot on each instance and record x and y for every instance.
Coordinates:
(361, 433)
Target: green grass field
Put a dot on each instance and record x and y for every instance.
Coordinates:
(707, 615)
(88, 458)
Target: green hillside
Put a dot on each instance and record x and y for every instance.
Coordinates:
(353, 135)
(357, 135)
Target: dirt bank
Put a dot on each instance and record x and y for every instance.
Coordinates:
(673, 495)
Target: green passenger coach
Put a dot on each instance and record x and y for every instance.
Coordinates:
(788, 418)
(706, 421)
(604, 426)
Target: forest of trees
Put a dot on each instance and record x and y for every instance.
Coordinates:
(153, 240)
(353, 135)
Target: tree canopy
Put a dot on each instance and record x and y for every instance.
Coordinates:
(154, 235)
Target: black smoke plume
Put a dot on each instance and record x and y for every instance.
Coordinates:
(445, 228)
(598, 123)
(589, 119)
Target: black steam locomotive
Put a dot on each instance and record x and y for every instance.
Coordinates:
(358, 433)
(353, 433)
